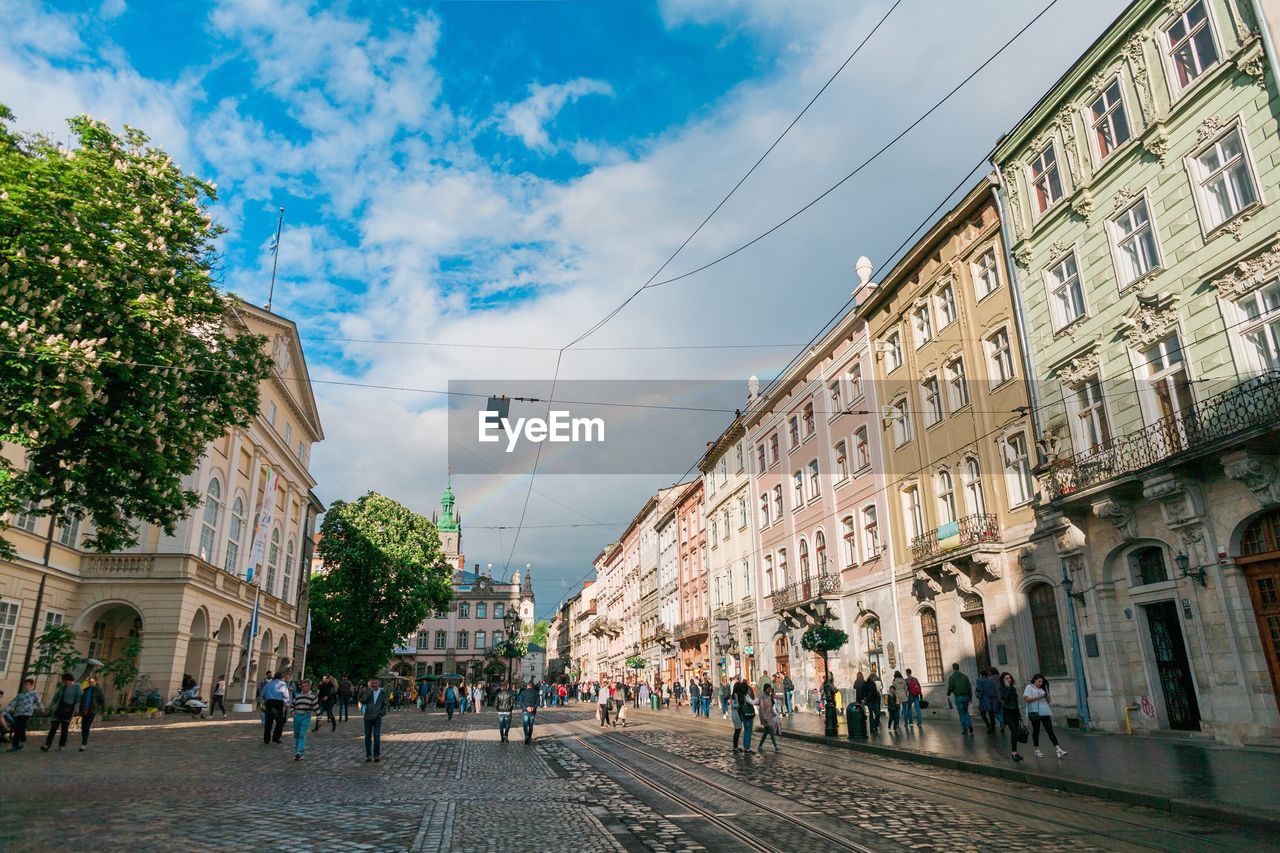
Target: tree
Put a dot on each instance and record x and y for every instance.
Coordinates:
(119, 359)
(384, 574)
(57, 651)
(538, 636)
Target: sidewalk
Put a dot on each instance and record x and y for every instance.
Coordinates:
(1190, 777)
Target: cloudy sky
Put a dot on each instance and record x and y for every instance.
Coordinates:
(500, 175)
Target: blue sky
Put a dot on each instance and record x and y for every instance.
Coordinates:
(505, 172)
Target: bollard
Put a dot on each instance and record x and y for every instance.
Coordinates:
(856, 719)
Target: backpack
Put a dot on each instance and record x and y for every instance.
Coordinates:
(913, 686)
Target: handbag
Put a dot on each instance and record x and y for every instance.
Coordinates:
(1023, 734)
(746, 710)
(924, 703)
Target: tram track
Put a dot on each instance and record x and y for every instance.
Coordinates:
(749, 840)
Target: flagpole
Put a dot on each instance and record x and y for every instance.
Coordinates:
(275, 259)
(248, 658)
(306, 644)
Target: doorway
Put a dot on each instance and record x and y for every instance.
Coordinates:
(1172, 667)
(978, 627)
(1264, 589)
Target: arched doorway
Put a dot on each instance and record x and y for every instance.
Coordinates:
(782, 656)
(872, 645)
(225, 636)
(196, 646)
(284, 664)
(1260, 562)
(266, 663)
(110, 632)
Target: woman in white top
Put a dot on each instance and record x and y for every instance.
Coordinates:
(1040, 714)
(605, 703)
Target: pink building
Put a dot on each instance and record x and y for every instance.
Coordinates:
(691, 633)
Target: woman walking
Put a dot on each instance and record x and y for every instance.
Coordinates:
(304, 706)
(1007, 692)
(770, 722)
(604, 703)
(988, 701)
(1040, 714)
(899, 697)
(742, 709)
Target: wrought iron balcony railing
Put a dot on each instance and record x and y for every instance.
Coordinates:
(1252, 404)
(803, 591)
(971, 530)
(692, 628)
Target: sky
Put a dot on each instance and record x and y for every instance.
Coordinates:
(493, 175)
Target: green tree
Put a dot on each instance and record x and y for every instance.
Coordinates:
(384, 573)
(538, 636)
(119, 359)
(57, 651)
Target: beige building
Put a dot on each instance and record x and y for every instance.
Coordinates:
(185, 595)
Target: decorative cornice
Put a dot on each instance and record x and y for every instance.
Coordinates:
(1058, 249)
(1081, 367)
(1119, 513)
(1124, 196)
(1067, 126)
(1249, 273)
(1083, 204)
(1150, 319)
(1257, 472)
(1135, 52)
(1208, 129)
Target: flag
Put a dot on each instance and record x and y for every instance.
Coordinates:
(266, 518)
(274, 245)
(253, 623)
(308, 640)
(948, 536)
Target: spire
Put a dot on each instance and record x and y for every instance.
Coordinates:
(526, 591)
(447, 521)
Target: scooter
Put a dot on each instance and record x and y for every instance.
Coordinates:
(187, 702)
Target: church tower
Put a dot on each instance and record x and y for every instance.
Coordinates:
(526, 598)
(450, 529)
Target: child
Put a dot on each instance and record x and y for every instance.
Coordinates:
(26, 703)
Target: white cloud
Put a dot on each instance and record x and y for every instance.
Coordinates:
(528, 120)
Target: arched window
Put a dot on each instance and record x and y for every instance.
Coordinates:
(873, 645)
(971, 476)
(870, 533)
(804, 560)
(1148, 565)
(764, 510)
(946, 497)
(288, 571)
(235, 531)
(209, 525)
(1044, 623)
(1262, 536)
(850, 542)
(820, 551)
(273, 560)
(932, 646)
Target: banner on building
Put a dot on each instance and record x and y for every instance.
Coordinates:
(266, 520)
(948, 536)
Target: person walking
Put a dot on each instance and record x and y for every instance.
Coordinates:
(988, 701)
(770, 722)
(275, 695)
(742, 706)
(788, 693)
(1040, 714)
(22, 708)
(65, 705)
(304, 706)
(528, 702)
(695, 696)
(327, 695)
(619, 699)
(604, 703)
(373, 700)
(345, 691)
(900, 696)
(961, 691)
(723, 690)
(477, 698)
(1008, 696)
(705, 689)
(678, 692)
(914, 696)
(871, 698)
(91, 702)
(504, 703)
(219, 697)
(450, 700)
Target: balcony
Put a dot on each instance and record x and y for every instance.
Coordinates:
(1209, 425)
(803, 591)
(951, 540)
(178, 569)
(692, 628)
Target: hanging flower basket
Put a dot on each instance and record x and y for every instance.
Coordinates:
(637, 662)
(823, 638)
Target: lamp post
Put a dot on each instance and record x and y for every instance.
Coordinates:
(822, 615)
(511, 623)
(1082, 689)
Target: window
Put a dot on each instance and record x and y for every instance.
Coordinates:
(464, 610)
(742, 512)
(932, 647)
(424, 640)
(773, 449)
(1225, 179)
(711, 483)
(932, 396)
(499, 611)
(806, 419)
(797, 490)
(52, 619)
(922, 324)
(862, 449)
(946, 491)
(1046, 183)
(768, 575)
(820, 551)
(273, 560)
(911, 511)
(946, 304)
(69, 531)
(25, 518)
(1109, 120)
(746, 577)
(300, 451)
(837, 400)
(892, 349)
(804, 560)
(271, 412)
(440, 639)
(1092, 430)
(764, 510)
(1134, 238)
(724, 470)
(873, 646)
(1261, 331)
(462, 639)
(1017, 462)
(482, 610)
(209, 523)
(760, 466)
(1191, 48)
(782, 566)
(815, 488)
(957, 385)
(870, 533)
(777, 502)
(288, 434)
(855, 380)
(287, 584)
(842, 461)
(8, 626)
(97, 640)
(738, 457)
(848, 537)
(1000, 357)
(793, 431)
(1148, 566)
(480, 639)
(1048, 635)
(1066, 296)
(971, 478)
(715, 533)
(1169, 382)
(235, 531)
(901, 419)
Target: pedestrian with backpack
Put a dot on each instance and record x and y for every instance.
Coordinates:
(1007, 692)
(914, 695)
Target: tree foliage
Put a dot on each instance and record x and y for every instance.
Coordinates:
(823, 638)
(119, 359)
(538, 636)
(58, 653)
(384, 573)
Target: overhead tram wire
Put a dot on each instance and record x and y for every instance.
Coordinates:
(555, 376)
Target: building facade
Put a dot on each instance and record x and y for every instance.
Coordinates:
(691, 634)
(1140, 202)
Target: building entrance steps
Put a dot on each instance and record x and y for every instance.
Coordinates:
(1192, 777)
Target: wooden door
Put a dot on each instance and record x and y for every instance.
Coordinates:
(978, 626)
(1264, 588)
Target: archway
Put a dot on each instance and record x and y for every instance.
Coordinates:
(110, 632)
(197, 645)
(266, 662)
(225, 636)
(284, 664)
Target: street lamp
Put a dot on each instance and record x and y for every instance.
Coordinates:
(822, 614)
(511, 622)
(1184, 568)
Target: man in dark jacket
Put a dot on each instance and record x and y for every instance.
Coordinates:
(345, 692)
(375, 701)
(961, 691)
(65, 705)
(327, 695)
(528, 702)
(91, 703)
(504, 703)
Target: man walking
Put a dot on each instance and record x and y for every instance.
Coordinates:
(23, 706)
(218, 700)
(65, 705)
(695, 696)
(327, 694)
(914, 694)
(91, 702)
(705, 692)
(374, 702)
(504, 702)
(275, 695)
(528, 701)
(961, 691)
(789, 690)
(345, 691)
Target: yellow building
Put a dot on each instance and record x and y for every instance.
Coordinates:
(185, 595)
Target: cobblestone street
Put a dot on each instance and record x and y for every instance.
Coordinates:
(658, 785)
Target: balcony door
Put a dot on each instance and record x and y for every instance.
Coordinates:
(1171, 388)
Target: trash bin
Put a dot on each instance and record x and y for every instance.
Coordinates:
(856, 719)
